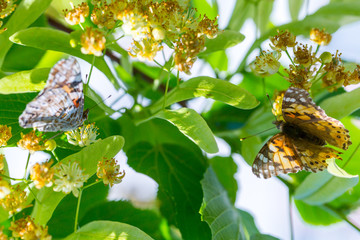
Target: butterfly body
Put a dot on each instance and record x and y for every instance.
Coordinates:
(304, 131)
(60, 105)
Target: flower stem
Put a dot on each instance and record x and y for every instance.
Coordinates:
(339, 214)
(15, 179)
(89, 77)
(166, 90)
(27, 164)
(55, 156)
(317, 73)
(91, 184)
(291, 217)
(317, 49)
(287, 53)
(32, 192)
(77, 211)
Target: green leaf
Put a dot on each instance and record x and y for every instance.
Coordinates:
(123, 211)
(248, 223)
(192, 125)
(225, 169)
(243, 9)
(204, 7)
(87, 160)
(64, 213)
(261, 17)
(217, 60)
(10, 112)
(225, 39)
(178, 172)
(250, 148)
(218, 211)
(108, 230)
(25, 14)
(342, 105)
(323, 187)
(295, 7)
(259, 236)
(336, 171)
(208, 87)
(51, 39)
(315, 215)
(25, 81)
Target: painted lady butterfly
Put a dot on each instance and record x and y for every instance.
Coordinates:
(305, 129)
(60, 105)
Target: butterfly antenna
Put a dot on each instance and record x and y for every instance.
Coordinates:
(242, 139)
(99, 103)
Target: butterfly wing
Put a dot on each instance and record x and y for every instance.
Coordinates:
(282, 154)
(299, 109)
(59, 106)
(275, 157)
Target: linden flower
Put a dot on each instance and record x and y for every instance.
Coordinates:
(299, 76)
(14, 201)
(145, 49)
(6, 8)
(2, 163)
(354, 77)
(42, 174)
(304, 56)
(70, 178)
(266, 64)
(26, 228)
(5, 135)
(83, 136)
(5, 189)
(31, 142)
(77, 15)
(135, 24)
(320, 37)
(109, 172)
(93, 42)
(277, 106)
(103, 17)
(283, 40)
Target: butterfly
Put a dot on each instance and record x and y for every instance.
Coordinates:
(60, 105)
(304, 130)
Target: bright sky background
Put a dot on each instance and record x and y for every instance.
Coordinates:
(266, 200)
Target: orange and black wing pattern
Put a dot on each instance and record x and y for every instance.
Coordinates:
(299, 109)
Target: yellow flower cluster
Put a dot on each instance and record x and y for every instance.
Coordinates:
(6, 8)
(83, 136)
(5, 135)
(306, 68)
(26, 228)
(14, 201)
(150, 23)
(109, 171)
(31, 142)
(42, 174)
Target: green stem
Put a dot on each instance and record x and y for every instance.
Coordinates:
(89, 77)
(339, 214)
(15, 179)
(55, 156)
(291, 217)
(317, 49)
(177, 78)
(27, 164)
(91, 184)
(77, 211)
(32, 192)
(287, 53)
(281, 74)
(315, 80)
(166, 90)
(317, 73)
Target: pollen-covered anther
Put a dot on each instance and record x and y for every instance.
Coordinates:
(93, 42)
(304, 55)
(77, 15)
(283, 40)
(266, 64)
(320, 37)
